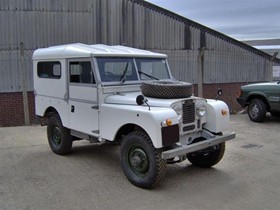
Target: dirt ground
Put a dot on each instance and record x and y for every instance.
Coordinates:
(34, 178)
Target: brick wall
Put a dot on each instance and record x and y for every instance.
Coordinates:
(11, 104)
(230, 93)
(11, 109)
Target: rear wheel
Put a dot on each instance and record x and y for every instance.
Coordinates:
(257, 110)
(141, 161)
(208, 157)
(59, 137)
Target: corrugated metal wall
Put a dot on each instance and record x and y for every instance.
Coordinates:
(42, 23)
(15, 70)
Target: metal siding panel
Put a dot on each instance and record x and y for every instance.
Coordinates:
(141, 36)
(169, 35)
(4, 23)
(182, 64)
(103, 9)
(4, 5)
(129, 25)
(8, 72)
(114, 23)
(44, 23)
(109, 24)
(136, 25)
(119, 25)
(155, 31)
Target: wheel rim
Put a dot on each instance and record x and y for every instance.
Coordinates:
(254, 111)
(138, 160)
(56, 135)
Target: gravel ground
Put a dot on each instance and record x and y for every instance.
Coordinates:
(32, 177)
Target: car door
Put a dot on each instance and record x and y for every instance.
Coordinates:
(83, 100)
(274, 96)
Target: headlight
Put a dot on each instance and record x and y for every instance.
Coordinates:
(201, 110)
(178, 110)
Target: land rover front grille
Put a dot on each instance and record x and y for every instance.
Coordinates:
(188, 118)
(188, 128)
(188, 112)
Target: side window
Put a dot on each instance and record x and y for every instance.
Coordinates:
(49, 69)
(81, 72)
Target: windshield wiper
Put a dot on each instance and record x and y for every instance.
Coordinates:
(148, 75)
(124, 74)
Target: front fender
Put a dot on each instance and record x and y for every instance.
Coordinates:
(218, 116)
(255, 94)
(114, 116)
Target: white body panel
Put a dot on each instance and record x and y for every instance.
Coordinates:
(84, 118)
(113, 117)
(51, 93)
(55, 88)
(83, 114)
(45, 102)
(79, 50)
(216, 121)
(129, 98)
(83, 93)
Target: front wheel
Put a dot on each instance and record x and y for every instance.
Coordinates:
(141, 161)
(59, 137)
(208, 157)
(257, 110)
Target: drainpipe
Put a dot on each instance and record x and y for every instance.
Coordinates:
(200, 62)
(24, 88)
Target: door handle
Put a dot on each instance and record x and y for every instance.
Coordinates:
(72, 108)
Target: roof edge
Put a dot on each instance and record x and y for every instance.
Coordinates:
(204, 28)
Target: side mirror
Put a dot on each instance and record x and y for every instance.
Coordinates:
(219, 93)
(140, 100)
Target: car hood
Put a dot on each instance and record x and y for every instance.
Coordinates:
(261, 86)
(130, 99)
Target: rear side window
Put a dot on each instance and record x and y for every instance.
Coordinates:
(49, 69)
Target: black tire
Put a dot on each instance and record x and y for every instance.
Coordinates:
(141, 161)
(59, 137)
(208, 157)
(257, 110)
(167, 89)
(275, 114)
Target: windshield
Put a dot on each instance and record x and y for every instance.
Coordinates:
(124, 69)
(116, 69)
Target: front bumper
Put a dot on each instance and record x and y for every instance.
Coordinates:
(183, 150)
(241, 101)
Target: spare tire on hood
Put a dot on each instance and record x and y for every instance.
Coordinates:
(167, 89)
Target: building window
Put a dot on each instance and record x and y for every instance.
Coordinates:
(81, 72)
(49, 69)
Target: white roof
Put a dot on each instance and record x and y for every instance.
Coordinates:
(83, 50)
